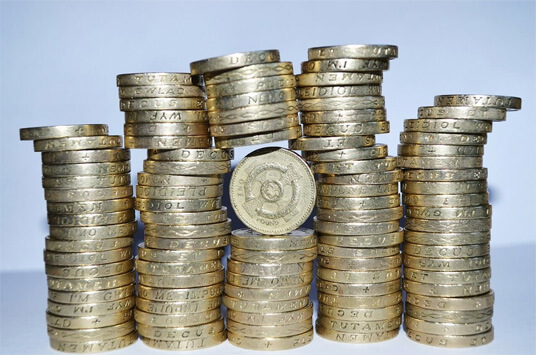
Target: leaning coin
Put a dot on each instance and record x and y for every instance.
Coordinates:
(447, 277)
(461, 200)
(186, 168)
(240, 129)
(97, 181)
(355, 338)
(91, 219)
(429, 150)
(165, 129)
(360, 264)
(251, 85)
(98, 232)
(95, 284)
(358, 203)
(81, 335)
(90, 207)
(447, 238)
(178, 244)
(374, 152)
(179, 192)
(181, 333)
(366, 314)
(362, 289)
(77, 143)
(452, 162)
(166, 116)
(316, 92)
(359, 241)
(178, 218)
(173, 269)
(450, 341)
(342, 103)
(338, 78)
(90, 309)
(187, 103)
(445, 125)
(442, 138)
(260, 138)
(449, 225)
(280, 330)
(253, 113)
(75, 195)
(90, 321)
(263, 282)
(387, 300)
(356, 166)
(187, 344)
(177, 294)
(168, 142)
(507, 102)
(79, 246)
(359, 326)
(174, 256)
(300, 238)
(182, 307)
(362, 216)
(274, 256)
(87, 258)
(384, 177)
(86, 169)
(440, 175)
(235, 60)
(178, 320)
(271, 318)
(89, 271)
(442, 328)
(466, 290)
(452, 303)
(360, 277)
(151, 79)
(447, 264)
(463, 112)
(271, 343)
(52, 132)
(265, 306)
(331, 143)
(344, 65)
(94, 346)
(86, 156)
(147, 179)
(346, 129)
(250, 72)
(354, 51)
(189, 231)
(77, 297)
(355, 228)
(185, 154)
(156, 91)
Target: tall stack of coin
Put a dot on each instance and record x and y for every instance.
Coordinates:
(447, 272)
(270, 270)
(181, 276)
(163, 111)
(359, 262)
(251, 98)
(88, 253)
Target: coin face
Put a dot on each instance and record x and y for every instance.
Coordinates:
(272, 191)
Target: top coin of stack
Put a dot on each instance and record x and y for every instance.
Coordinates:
(448, 219)
(251, 98)
(163, 111)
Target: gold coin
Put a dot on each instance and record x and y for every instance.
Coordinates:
(90, 207)
(340, 252)
(384, 177)
(432, 150)
(359, 241)
(187, 344)
(87, 258)
(443, 138)
(439, 162)
(452, 303)
(89, 322)
(363, 264)
(447, 238)
(246, 128)
(89, 271)
(464, 290)
(208, 154)
(178, 218)
(272, 191)
(151, 79)
(277, 269)
(507, 102)
(94, 346)
(179, 192)
(260, 138)
(317, 92)
(356, 166)
(93, 284)
(269, 281)
(265, 306)
(449, 225)
(267, 294)
(77, 297)
(359, 51)
(182, 281)
(260, 331)
(301, 238)
(358, 203)
(90, 219)
(441, 328)
(360, 302)
(444, 187)
(98, 232)
(181, 307)
(461, 112)
(53, 132)
(177, 256)
(168, 142)
(90, 309)
(446, 125)
(250, 72)
(80, 246)
(165, 129)
(253, 113)
(271, 318)
(251, 85)
(346, 129)
(176, 320)
(363, 216)
(274, 256)
(82, 335)
(355, 338)
(85, 156)
(76, 195)
(181, 333)
(461, 200)
(160, 90)
(355, 228)
(178, 294)
(445, 175)
(321, 144)
(446, 251)
(179, 244)
(233, 61)
(186, 168)
(271, 343)
(360, 277)
(178, 180)
(451, 341)
(187, 103)
(342, 103)
(362, 289)
(176, 269)
(344, 65)
(166, 116)
(338, 78)
(189, 231)
(366, 314)
(250, 99)
(75, 182)
(448, 277)
(345, 326)
(374, 152)
(447, 264)
(86, 169)
(77, 143)
(337, 190)
(442, 316)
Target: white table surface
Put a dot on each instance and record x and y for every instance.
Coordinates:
(23, 327)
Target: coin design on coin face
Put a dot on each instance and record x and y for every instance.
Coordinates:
(272, 191)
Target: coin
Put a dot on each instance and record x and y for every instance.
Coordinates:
(453, 162)
(344, 65)
(159, 255)
(265, 306)
(274, 256)
(271, 124)
(280, 330)
(449, 225)
(183, 103)
(202, 217)
(181, 333)
(445, 175)
(189, 231)
(436, 290)
(74, 182)
(356, 166)
(361, 277)
(179, 192)
(371, 241)
(89, 321)
(445, 125)
(452, 303)
(366, 314)
(448, 277)
(166, 129)
(262, 70)
(272, 191)
(166, 116)
(78, 246)
(440, 150)
(260, 138)
(90, 309)
(360, 264)
(252, 281)
(331, 143)
(87, 220)
(85, 156)
(301, 238)
(447, 264)
(342, 103)
(183, 307)
(94, 284)
(176, 320)
(86, 169)
(462, 200)
(52, 132)
(384, 177)
(250, 99)
(95, 345)
(355, 338)
(186, 167)
(271, 343)
(253, 113)
(355, 228)
(346, 129)
(235, 60)
(374, 152)
(251, 85)
(461, 112)
(336, 190)
(180, 268)
(81, 335)
(354, 289)
(449, 213)
(168, 142)
(187, 344)
(77, 143)
(274, 318)
(178, 244)
(361, 302)
(315, 92)
(496, 101)
(210, 154)
(178, 294)
(358, 203)
(363, 216)
(150, 91)
(354, 51)
(76, 195)
(150, 79)
(359, 326)
(442, 138)
(352, 253)
(338, 78)
(97, 232)
(89, 271)
(178, 180)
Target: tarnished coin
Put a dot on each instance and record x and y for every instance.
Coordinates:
(272, 191)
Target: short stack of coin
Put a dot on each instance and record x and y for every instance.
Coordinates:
(251, 98)
(163, 111)
(447, 272)
(181, 276)
(267, 290)
(359, 262)
(88, 253)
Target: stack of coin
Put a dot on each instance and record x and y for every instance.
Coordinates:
(267, 290)
(359, 262)
(251, 98)
(88, 253)
(181, 276)
(447, 271)
(163, 111)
